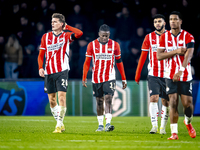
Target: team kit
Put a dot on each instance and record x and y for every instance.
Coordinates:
(169, 71)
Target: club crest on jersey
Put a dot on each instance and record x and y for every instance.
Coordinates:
(110, 49)
(180, 42)
(61, 39)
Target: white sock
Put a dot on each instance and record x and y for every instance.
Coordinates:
(54, 112)
(61, 115)
(174, 128)
(108, 117)
(100, 119)
(153, 110)
(164, 116)
(188, 120)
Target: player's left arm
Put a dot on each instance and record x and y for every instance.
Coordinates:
(76, 32)
(120, 66)
(187, 58)
(86, 65)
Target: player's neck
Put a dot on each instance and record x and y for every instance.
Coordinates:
(176, 31)
(57, 32)
(160, 32)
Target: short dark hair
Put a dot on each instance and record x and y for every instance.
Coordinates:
(177, 13)
(60, 17)
(159, 16)
(104, 27)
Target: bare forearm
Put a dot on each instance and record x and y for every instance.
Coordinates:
(188, 57)
(162, 55)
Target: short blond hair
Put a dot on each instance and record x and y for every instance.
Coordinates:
(60, 17)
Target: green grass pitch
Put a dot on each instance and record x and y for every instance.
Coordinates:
(130, 133)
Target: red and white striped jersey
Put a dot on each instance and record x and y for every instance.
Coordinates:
(56, 51)
(169, 42)
(155, 68)
(103, 59)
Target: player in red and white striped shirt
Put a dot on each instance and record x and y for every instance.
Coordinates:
(55, 46)
(156, 81)
(104, 52)
(177, 46)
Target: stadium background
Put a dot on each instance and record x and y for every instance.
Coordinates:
(130, 21)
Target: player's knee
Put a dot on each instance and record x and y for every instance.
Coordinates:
(154, 98)
(62, 99)
(165, 102)
(100, 102)
(187, 103)
(52, 102)
(108, 99)
(173, 102)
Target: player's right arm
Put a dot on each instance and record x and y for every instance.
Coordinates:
(143, 57)
(161, 50)
(86, 65)
(41, 56)
(76, 32)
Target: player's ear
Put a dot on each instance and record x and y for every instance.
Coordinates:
(109, 34)
(99, 33)
(63, 25)
(181, 21)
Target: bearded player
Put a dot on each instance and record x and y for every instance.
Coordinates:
(177, 47)
(104, 52)
(55, 46)
(156, 81)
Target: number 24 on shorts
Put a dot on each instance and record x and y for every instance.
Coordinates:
(64, 82)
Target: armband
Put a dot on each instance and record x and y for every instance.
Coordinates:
(181, 68)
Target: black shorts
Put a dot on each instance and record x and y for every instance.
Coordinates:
(108, 87)
(56, 82)
(157, 86)
(179, 87)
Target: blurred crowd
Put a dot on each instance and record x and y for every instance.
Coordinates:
(24, 22)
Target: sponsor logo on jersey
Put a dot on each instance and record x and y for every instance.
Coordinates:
(54, 47)
(104, 56)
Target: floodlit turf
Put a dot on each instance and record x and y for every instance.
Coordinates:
(129, 133)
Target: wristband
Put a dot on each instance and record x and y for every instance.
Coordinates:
(124, 81)
(181, 68)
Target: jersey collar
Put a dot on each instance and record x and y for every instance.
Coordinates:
(160, 34)
(177, 34)
(102, 43)
(58, 34)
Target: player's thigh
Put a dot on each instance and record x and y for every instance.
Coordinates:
(154, 86)
(49, 84)
(109, 87)
(97, 89)
(163, 93)
(171, 87)
(186, 93)
(62, 81)
(185, 88)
